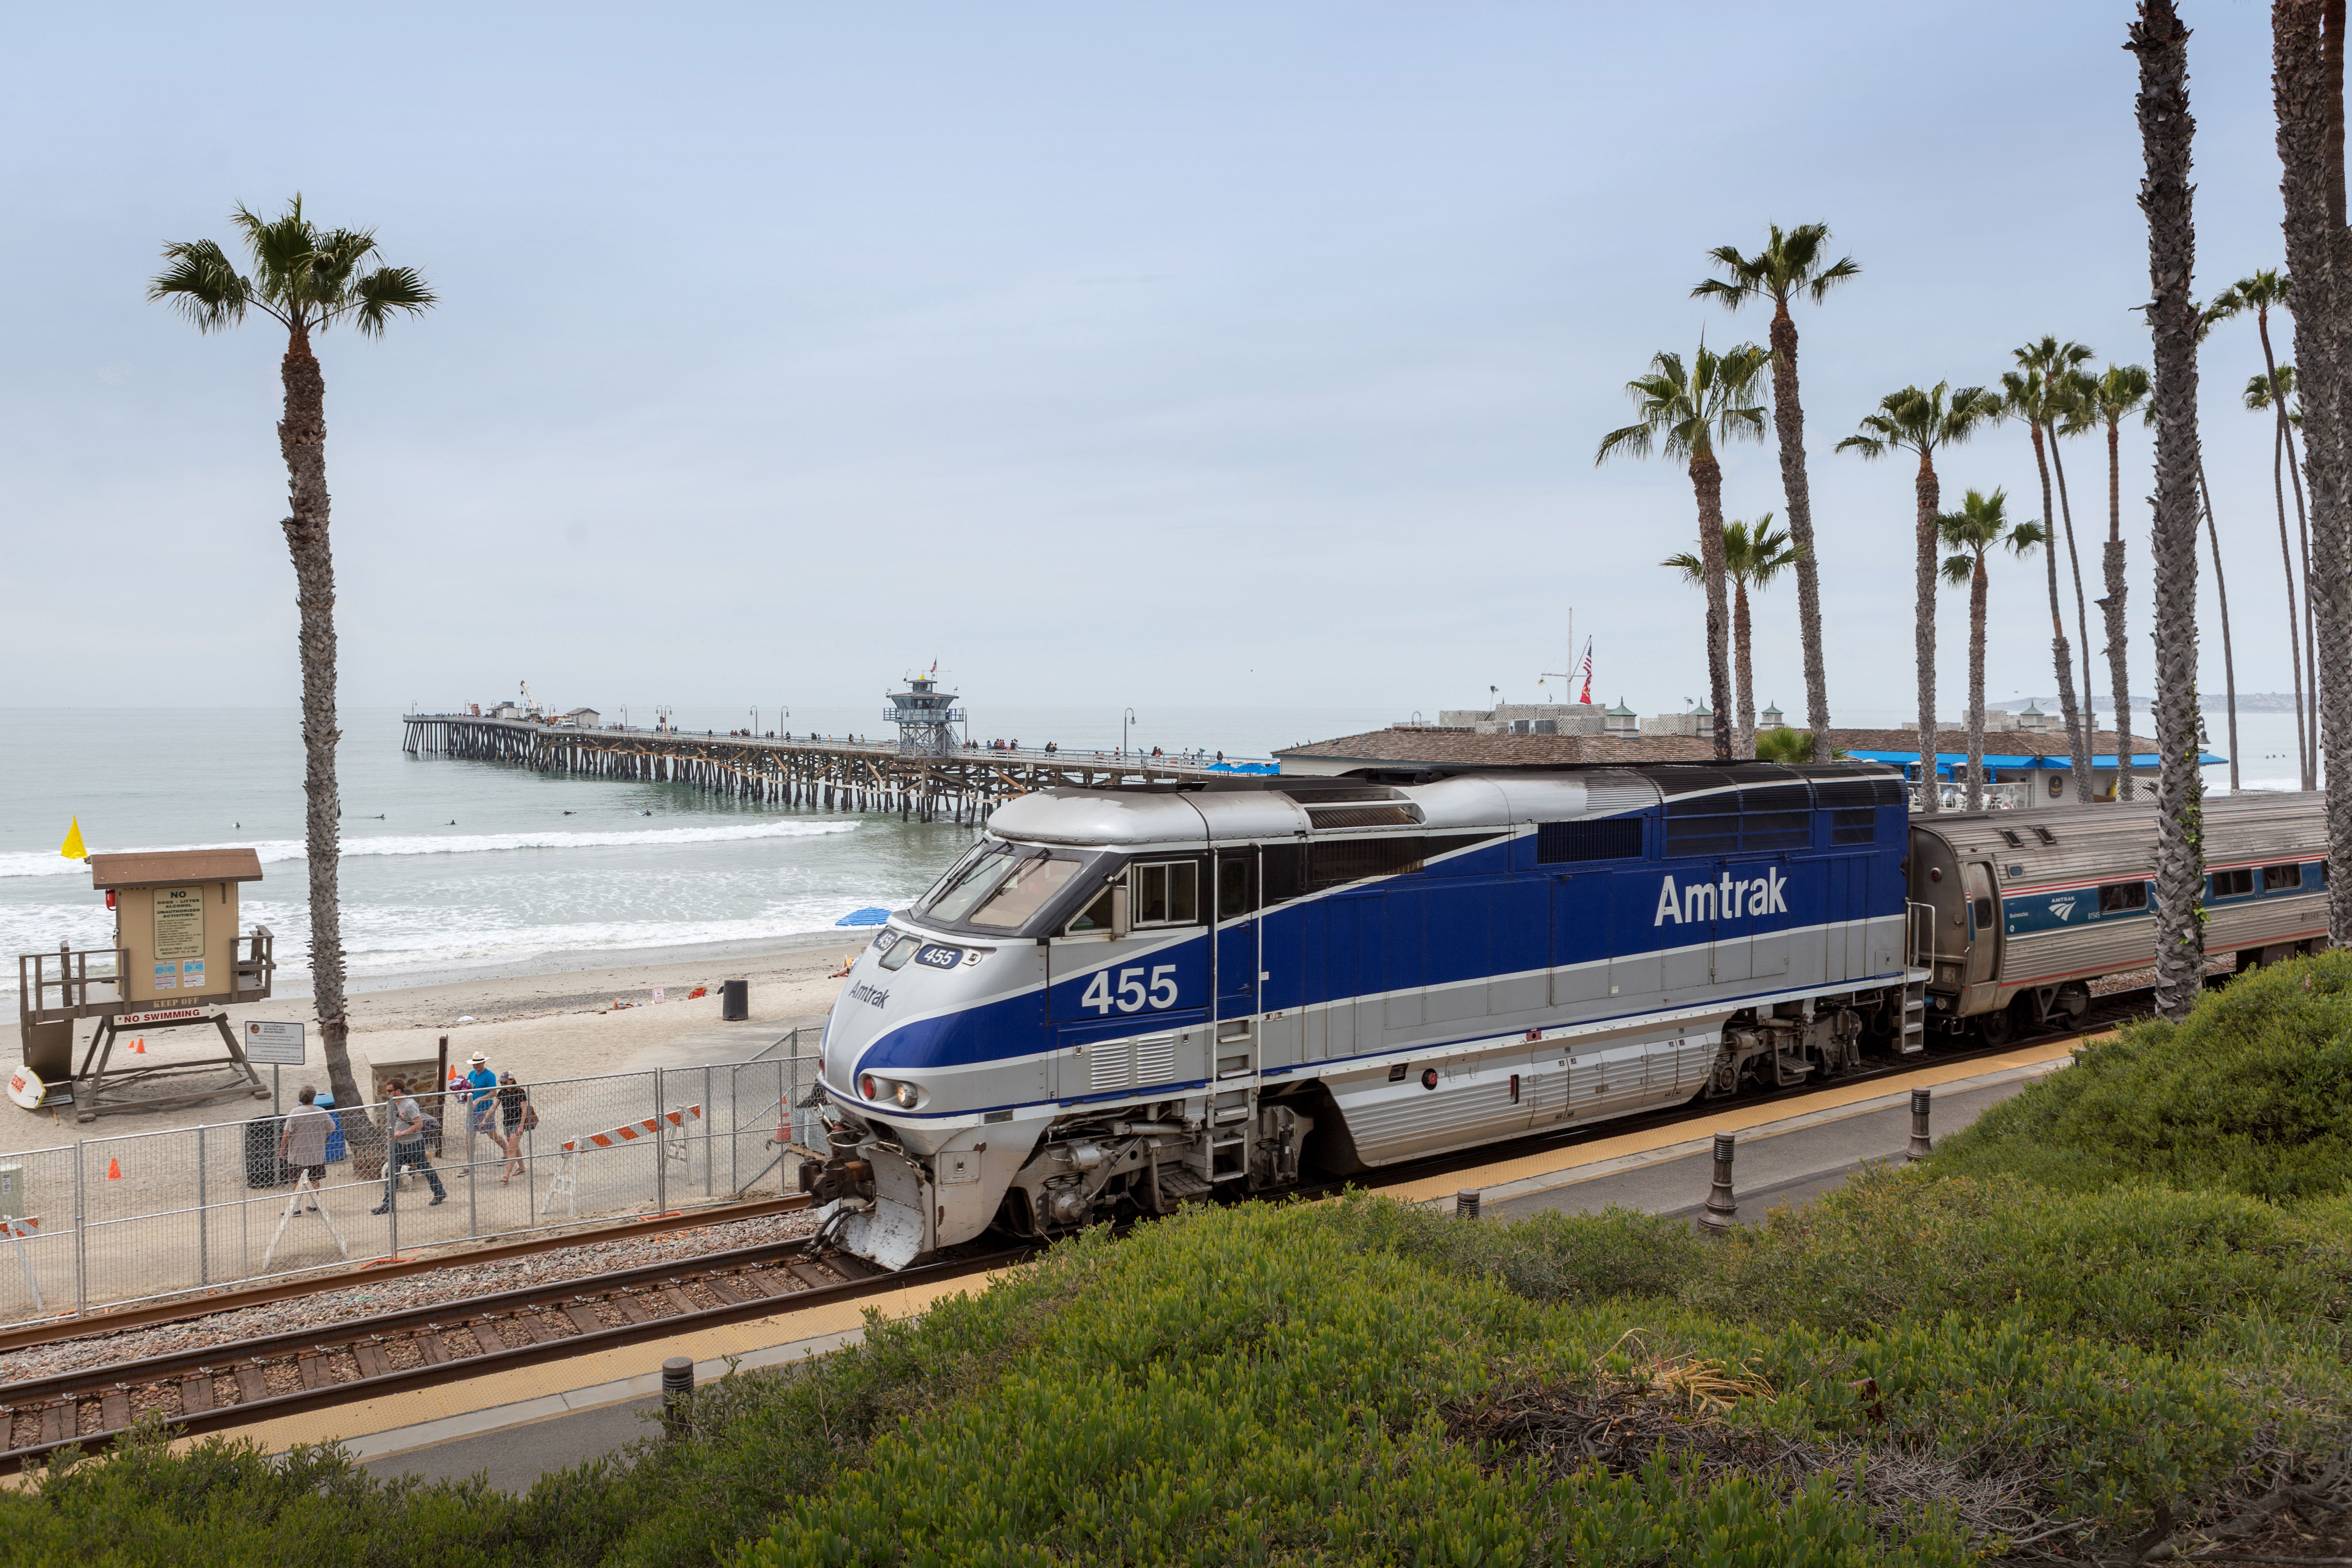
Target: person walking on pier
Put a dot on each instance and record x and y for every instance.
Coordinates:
(408, 1130)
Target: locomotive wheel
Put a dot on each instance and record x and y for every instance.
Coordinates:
(1994, 1029)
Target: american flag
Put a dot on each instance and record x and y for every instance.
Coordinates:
(1586, 671)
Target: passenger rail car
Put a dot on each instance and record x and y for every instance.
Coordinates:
(2015, 913)
(1132, 997)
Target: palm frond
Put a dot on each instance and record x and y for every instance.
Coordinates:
(2026, 538)
(1829, 277)
(1959, 570)
(1691, 568)
(1868, 445)
(375, 296)
(1631, 441)
(199, 282)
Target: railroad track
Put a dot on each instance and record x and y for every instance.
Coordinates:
(247, 1381)
(238, 1384)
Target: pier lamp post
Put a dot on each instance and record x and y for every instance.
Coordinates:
(755, 720)
(1127, 717)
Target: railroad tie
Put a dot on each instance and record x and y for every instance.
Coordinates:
(680, 1298)
(114, 1409)
(811, 1275)
(631, 1307)
(434, 1348)
(486, 1335)
(520, 1330)
(314, 1369)
(371, 1360)
(764, 1281)
(584, 1317)
(251, 1385)
(195, 1393)
(57, 1422)
(729, 1288)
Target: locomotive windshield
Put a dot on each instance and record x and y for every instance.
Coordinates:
(997, 888)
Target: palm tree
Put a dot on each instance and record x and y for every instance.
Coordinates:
(2120, 391)
(1915, 421)
(2265, 394)
(1752, 556)
(307, 280)
(1789, 264)
(2070, 395)
(1684, 413)
(2307, 88)
(2025, 395)
(2262, 292)
(1980, 525)
(2221, 585)
(2160, 42)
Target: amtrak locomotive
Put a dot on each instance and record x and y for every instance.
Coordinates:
(1126, 997)
(1122, 998)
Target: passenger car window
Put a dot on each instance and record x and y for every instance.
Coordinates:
(1166, 893)
(2278, 878)
(1024, 893)
(2231, 883)
(1984, 914)
(2120, 898)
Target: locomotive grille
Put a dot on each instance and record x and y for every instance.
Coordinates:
(1155, 1058)
(1614, 839)
(1361, 815)
(1107, 1065)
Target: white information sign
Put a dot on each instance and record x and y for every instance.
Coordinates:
(275, 1044)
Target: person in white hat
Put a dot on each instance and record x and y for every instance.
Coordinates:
(481, 1095)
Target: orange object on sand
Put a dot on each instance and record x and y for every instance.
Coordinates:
(114, 1169)
(139, 1046)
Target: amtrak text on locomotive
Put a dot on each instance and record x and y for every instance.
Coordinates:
(1722, 899)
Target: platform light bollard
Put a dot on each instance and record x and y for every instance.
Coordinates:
(678, 1390)
(1465, 1203)
(1722, 1210)
(1921, 1146)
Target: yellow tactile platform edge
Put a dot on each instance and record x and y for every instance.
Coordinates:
(1732, 1117)
(385, 1412)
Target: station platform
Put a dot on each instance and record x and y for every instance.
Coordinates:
(517, 1425)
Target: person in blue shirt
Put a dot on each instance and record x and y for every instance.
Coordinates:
(482, 1099)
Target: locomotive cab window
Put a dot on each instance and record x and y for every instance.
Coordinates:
(2282, 878)
(2122, 898)
(1166, 893)
(1028, 888)
(2233, 883)
(1096, 916)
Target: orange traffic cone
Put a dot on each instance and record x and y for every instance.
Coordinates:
(139, 1046)
(114, 1169)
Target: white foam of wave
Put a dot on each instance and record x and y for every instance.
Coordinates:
(38, 864)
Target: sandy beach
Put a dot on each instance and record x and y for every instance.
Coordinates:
(538, 1021)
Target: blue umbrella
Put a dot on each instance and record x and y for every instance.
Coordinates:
(865, 917)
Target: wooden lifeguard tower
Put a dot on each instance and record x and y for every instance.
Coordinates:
(176, 960)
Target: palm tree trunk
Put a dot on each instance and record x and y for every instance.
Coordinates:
(2310, 634)
(2298, 607)
(1789, 413)
(2294, 602)
(2062, 655)
(1743, 743)
(1707, 479)
(1930, 496)
(2221, 593)
(1976, 685)
(302, 441)
(2118, 663)
(2307, 85)
(2082, 624)
(2161, 42)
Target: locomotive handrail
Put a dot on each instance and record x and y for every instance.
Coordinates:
(1924, 953)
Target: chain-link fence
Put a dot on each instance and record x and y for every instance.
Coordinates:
(105, 1222)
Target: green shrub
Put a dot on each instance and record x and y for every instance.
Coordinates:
(1546, 1256)
(2252, 1094)
(2140, 1264)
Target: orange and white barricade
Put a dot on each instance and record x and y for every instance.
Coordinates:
(670, 1127)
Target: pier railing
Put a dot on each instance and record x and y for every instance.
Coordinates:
(144, 1216)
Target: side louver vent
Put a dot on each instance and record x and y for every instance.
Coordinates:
(1363, 815)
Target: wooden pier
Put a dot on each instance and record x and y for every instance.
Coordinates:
(825, 775)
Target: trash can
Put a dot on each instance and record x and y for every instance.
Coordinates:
(263, 1168)
(734, 1001)
(335, 1148)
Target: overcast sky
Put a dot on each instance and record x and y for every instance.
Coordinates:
(1201, 354)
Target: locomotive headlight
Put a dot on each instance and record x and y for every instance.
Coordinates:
(869, 1086)
(905, 1094)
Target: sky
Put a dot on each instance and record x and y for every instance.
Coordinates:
(1211, 355)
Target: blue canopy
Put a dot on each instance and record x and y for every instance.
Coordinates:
(1947, 762)
(865, 917)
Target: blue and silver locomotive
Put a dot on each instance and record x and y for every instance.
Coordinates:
(1118, 999)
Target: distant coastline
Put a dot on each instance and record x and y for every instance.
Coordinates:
(2248, 702)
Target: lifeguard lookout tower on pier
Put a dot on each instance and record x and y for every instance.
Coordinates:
(926, 717)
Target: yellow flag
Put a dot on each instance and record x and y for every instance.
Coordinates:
(72, 848)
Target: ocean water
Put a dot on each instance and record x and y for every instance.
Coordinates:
(453, 865)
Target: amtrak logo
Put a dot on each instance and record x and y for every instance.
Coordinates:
(1725, 898)
(872, 995)
(2063, 908)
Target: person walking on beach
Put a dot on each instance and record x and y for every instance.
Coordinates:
(407, 1128)
(481, 1105)
(516, 1116)
(303, 1143)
